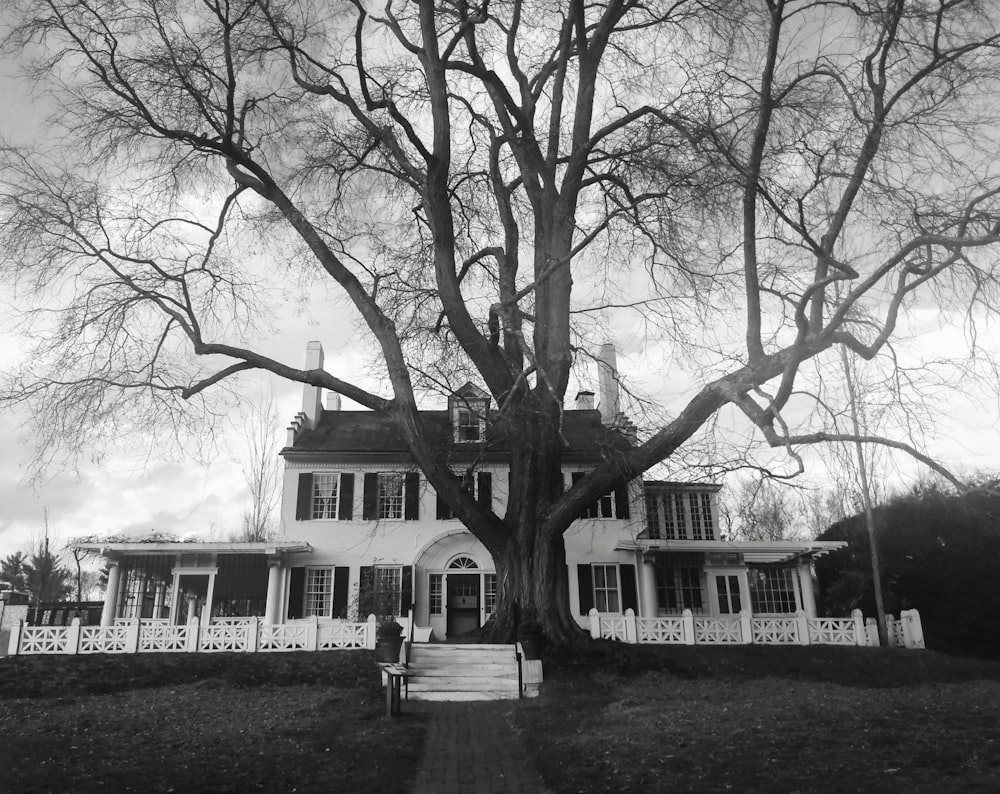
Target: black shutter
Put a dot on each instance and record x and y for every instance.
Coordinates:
(443, 511)
(406, 595)
(486, 489)
(366, 592)
(341, 580)
(411, 496)
(621, 501)
(585, 582)
(630, 597)
(345, 506)
(370, 500)
(297, 592)
(303, 503)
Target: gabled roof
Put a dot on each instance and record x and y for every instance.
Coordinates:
(367, 435)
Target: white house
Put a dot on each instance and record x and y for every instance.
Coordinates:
(362, 531)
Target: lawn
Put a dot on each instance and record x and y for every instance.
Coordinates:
(611, 719)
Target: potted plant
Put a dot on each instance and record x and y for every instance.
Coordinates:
(532, 639)
(390, 638)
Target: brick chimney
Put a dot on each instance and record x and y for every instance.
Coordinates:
(312, 396)
(607, 379)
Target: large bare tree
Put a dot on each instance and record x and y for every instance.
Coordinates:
(485, 185)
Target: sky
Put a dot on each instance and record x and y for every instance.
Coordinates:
(136, 490)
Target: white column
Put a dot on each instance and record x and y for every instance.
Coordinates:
(271, 605)
(806, 588)
(192, 607)
(111, 594)
(159, 599)
(648, 606)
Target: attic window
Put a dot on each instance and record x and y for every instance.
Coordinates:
(469, 425)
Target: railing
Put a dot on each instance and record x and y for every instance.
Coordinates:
(233, 635)
(743, 629)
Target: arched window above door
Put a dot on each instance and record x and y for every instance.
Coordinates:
(463, 562)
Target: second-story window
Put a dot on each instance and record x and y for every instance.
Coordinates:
(390, 495)
(326, 489)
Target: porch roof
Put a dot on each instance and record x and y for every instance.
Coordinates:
(181, 547)
(754, 551)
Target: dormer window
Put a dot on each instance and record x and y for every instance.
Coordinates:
(468, 408)
(469, 426)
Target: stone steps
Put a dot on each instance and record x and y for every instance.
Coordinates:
(462, 672)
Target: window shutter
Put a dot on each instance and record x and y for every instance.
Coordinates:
(411, 492)
(630, 597)
(297, 591)
(406, 596)
(443, 511)
(370, 500)
(486, 489)
(366, 588)
(345, 501)
(621, 501)
(303, 502)
(585, 582)
(341, 580)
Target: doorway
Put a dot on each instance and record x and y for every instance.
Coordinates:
(192, 597)
(463, 603)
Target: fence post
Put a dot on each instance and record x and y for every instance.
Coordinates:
(688, 622)
(860, 635)
(595, 623)
(746, 627)
(191, 640)
(871, 629)
(252, 628)
(312, 633)
(913, 632)
(802, 620)
(631, 631)
(891, 631)
(14, 646)
(132, 635)
(370, 633)
(73, 637)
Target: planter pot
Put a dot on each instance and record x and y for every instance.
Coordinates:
(532, 645)
(388, 648)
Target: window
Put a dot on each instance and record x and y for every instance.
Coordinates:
(490, 592)
(326, 488)
(319, 592)
(700, 505)
(434, 594)
(606, 596)
(678, 588)
(468, 426)
(388, 589)
(463, 562)
(611, 505)
(728, 588)
(390, 495)
(671, 516)
(772, 590)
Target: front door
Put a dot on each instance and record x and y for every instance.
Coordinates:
(463, 603)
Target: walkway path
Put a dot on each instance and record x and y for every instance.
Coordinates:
(472, 748)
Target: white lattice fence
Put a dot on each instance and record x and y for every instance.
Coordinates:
(717, 631)
(227, 637)
(44, 639)
(285, 637)
(342, 635)
(104, 639)
(776, 631)
(613, 628)
(664, 630)
(163, 638)
(833, 631)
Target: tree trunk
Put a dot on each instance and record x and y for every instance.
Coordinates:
(532, 577)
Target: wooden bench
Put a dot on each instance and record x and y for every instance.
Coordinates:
(395, 674)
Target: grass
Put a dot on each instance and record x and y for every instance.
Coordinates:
(611, 718)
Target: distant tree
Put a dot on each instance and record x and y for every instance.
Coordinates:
(762, 509)
(940, 552)
(46, 579)
(12, 570)
(261, 470)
